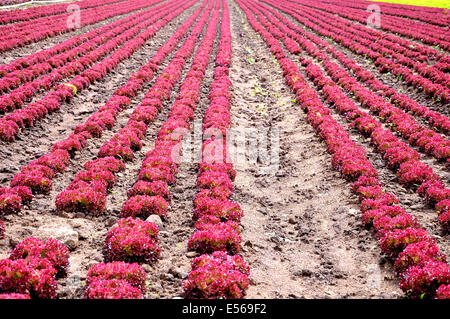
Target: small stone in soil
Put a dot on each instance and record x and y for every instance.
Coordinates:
(155, 219)
(192, 254)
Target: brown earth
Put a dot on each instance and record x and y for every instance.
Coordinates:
(302, 234)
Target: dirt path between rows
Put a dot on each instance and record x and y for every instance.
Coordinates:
(302, 232)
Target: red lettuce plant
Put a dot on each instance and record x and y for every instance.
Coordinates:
(96, 174)
(394, 242)
(225, 210)
(156, 188)
(414, 172)
(56, 160)
(36, 168)
(10, 203)
(386, 199)
(157, 161)
(95, 186)
(417, 254)
(423, 281)
(366, 192)
(385, 224)
(217, 276)
(157, 173)
(370, 216)
(22, 191)
(131, 241)
(131, 273)
(443, 292)
(35, 180)
(144, 205)
(52, 250)
(215, 236)
(443, 208)
(116, 149)
(221, 168)
(2, 229)
(112, 289)
(33, 276)
(219, 193)
(84, 199)
(211, 179)
(71, 144)
(108, 163)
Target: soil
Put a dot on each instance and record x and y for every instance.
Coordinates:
(302, 234)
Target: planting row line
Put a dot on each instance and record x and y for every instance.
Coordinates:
(114, 279)
(219, 272)
(429, 34)
(399, 156)
(435, 119)
(31, 25)
(422, 268)
(134, 240)
(356, 42)
(36, 177)
(89, 189)
(375, 41)
(14, 36)
(49, 10)
(212, 276)
(428, 140)
(25, 69)
(11, 124)
(44, 55)
(72, 62)
(430, 15)
(414, 51)
(151, 194)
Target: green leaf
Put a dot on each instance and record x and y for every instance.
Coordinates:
(74, 88)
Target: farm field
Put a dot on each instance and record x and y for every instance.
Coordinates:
(205, 149)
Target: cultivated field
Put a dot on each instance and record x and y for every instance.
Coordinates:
(224, 149)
